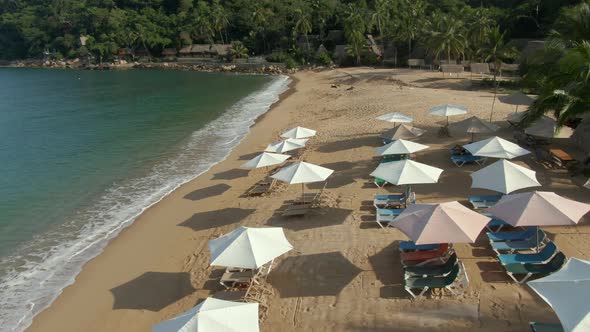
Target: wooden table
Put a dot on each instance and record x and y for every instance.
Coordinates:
(236, 279)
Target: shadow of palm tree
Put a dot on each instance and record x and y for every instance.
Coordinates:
(207, 192)
(325, 274)
(217, 218)
(152, 291)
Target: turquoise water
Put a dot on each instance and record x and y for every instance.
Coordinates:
(82, 153)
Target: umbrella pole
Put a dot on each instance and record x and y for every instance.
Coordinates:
(537, 237)
(303, 193)
(472, 137)
(516, 110)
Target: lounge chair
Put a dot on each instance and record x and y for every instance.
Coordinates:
(541, 257)
(529, 270)
(512, 246)
(460, 160)
(420, 258)
(483, 202)
(431, 271)
(454, 281)
(297, 209)
(384, 216)
(545, 327)
(528, 233)
(237, 278)
(379, 182)
(393, 157)
(496, 224)
(391, 201)
(386, 140)
(405, 246)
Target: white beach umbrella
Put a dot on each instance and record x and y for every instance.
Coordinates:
(447, 110)
(265, 159)
(567, 292)
(547, 127)
(286, 145)
(395, 117)
(213, 315)
(403, 132)
(587, 184)
(298, 132)
(515, 117)
(248, 247)
(448, 222)
(496, 147)
(302, 172)
(473, 125)
(407, 172)
(505, 177)
(517, 99)
(400, 146)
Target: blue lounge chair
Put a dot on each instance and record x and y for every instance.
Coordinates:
(460, 160)
(455, 281)
(512, 236)
(379, 182)
(432, 270)
(384, 201)
(393, 157)
(384, 216)
(529, 270)
(541, 257)
(483, 201)
(405, 246)
(512, 246)
(545, 327)
(496, 224)
(387, 140)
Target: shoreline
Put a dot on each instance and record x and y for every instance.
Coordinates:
(124, 227)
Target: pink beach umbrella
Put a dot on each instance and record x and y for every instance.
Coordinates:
(448, 222)
(539, 208)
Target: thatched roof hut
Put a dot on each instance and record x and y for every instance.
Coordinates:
(169, 52)
(205, 50)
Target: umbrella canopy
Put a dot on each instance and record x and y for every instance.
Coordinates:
(547, 127)
(496, 147)
(567, 292)
(447, 110)
(448, 222)
(248, 247)
(265, 159)
(302, 172)
(214, 315)
(473, 125)
(515, 117)
(403, 132)
(587, 184)
(298, 132)
(505, 177)
(286, 145)
(395, 117)
(539, 208)
(400, 146)
(407, 172)
(517, 99)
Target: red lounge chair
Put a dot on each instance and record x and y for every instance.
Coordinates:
(420, 258)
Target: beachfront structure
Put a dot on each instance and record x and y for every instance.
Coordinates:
(205, 50)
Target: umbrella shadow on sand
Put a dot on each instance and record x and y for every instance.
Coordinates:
(351, 143)
(207, 192)
(345, 172)
(152, 291)
(388, 269)
(217, 218)
(230, 174)
(316, 218)
(325, 274)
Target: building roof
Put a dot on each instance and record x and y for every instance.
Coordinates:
(169, 51)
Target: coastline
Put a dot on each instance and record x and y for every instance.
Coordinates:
(124, 228)
(344, 273)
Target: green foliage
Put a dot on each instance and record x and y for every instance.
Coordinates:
(290, 63)
(323, 59)
(238, 50)
(277, 57)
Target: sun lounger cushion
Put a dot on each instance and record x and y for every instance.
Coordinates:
(433, 282)
(546, 327)
(433, 270)
(482, 202)
(460, 160)
(512, 236)
(424, 257)
(532, 269)
(541, 257)
(382, 201)
(528, 244)
(411, 246)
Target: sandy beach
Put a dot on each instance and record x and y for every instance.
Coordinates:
(345, 272)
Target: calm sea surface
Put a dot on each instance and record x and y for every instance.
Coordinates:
(82, 153)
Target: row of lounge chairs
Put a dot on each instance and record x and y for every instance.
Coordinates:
(479, 202)
(388, 207)
(460, 156)
(432, 266)
(518, 253)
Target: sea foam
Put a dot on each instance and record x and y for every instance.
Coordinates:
(33, 277)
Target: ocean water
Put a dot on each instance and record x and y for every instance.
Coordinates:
(83, 153)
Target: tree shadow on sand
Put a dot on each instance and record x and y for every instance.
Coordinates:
(207, 192)
(325, 274)
(152, 291)
(216, 218)
(316, 218)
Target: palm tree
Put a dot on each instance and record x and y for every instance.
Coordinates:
(220, 20)
(238, 50)
(379, 19)
(447, 36)
(354, 30)
(303, 25)
(259, 15)
(411, 18)
(497, 51)
(478, 28)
